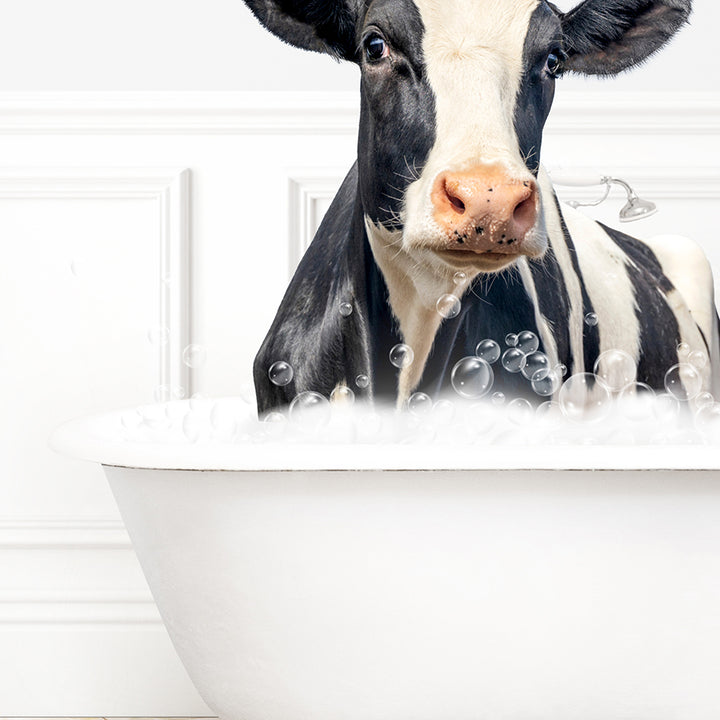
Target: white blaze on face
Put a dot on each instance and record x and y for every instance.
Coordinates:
(473, 53)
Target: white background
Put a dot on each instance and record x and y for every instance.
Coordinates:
(104, 110)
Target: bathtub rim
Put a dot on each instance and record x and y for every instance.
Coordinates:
(82, 439)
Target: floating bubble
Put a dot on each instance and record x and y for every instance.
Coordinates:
(497, 398)
(362, 381)
(275, 417)
(547, 411)
(704, 399)
(560, 370)
(683, 350)
(472, 377)
(346, 309)
(616, 369)
(583, 399)
(683, 382)
(342, 395)
(420, 404)
(155, 416)
(698, 359)
(488, 350)
(547, 385)
(520, 411)
(459, 277)
(537, 365)
(666, 408)
(159, 335)
(310, 408)
(511, 339)
(448, 306)
(707, 419)
(401, 356)
(513, 360)
(636, 402)
(177, 392)
(280, 373)
(527, 342)
(194, 356)
(443, 412)
(591, 319)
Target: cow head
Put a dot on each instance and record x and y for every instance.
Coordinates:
(455, 94)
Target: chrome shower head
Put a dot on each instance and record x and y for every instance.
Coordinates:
(636, 208)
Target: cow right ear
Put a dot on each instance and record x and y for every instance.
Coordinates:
(326, 26)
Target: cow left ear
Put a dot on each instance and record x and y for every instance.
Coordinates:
(326, 26)
(605, 37)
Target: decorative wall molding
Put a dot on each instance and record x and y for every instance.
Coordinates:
(170, 189)
(323, 113)
(63, 533)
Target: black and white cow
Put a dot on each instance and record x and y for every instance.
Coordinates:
(455, 94)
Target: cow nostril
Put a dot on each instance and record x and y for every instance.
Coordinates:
(524, 213)
(455, 201)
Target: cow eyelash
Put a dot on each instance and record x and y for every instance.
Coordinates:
(554, 63)
(375, 47)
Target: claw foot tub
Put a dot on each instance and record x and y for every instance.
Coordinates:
(427, 582)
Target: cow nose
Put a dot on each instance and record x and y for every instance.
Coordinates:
(484, 209)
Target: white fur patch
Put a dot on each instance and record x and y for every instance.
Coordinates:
(474, 60)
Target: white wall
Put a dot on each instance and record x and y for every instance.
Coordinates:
(217, 45)
(120, 211)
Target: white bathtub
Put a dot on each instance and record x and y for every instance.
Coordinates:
(429, 583)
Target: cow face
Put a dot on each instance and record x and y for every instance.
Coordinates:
(455, 94)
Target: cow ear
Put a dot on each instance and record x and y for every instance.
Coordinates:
(605, 37)
(326, 26)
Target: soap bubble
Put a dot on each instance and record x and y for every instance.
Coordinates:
(703, 399)
(536, 367)
(420, 404)
(159, 335)
(443, 412)
(707, 419)
(513, 360)
(616, 369)
(683, 350)
(362, 381)
(636, 402)
(547, 385)
(401, 356)
(520, 411)
(527, 342)
(497, 398)
(511, 339)
(547, 411)
(488, 350)
(459, 277)
(472, 377)
(583, 399)
(683, 382)
(591, 319)
(342, 396)
(698, 359)
(194, 356)
(280, 373)
(448, 306)
(560, 370)
(666, 408)
(310, 408)
(346, 309)
(155, 416)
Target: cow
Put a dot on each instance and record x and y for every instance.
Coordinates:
(448, 197)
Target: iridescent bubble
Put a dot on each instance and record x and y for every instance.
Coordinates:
(362, 381)
(159, 335)
(547, 385)
(666, 408)
(591, 319)
(459, 277)
(616, 369)
(698, 359)
(346, 309)
(513, 360)
(683, 382)
(194, 356)
(342, 395)
(527, 342)
(683, 350)
(280, 373)
(488, 350)
(472, 377)
(537, 365)
(511, 339)
(636, 402)
(583, 399)
(448, 306)
(520, 411)
(704, 399)
(420, 404)
(310, 408)
(497, 398)
(401, 356)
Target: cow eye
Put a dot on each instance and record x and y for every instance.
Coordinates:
(375, 47)
(553, 65)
